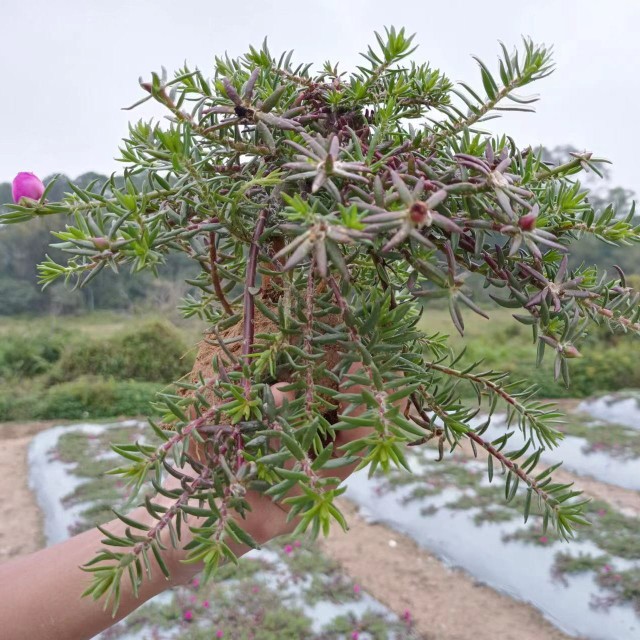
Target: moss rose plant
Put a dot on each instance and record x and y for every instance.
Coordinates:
(327, 210)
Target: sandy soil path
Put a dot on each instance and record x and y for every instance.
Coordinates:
(21, 522)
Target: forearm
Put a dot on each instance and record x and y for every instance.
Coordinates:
(40, 593)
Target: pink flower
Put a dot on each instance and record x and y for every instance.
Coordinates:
(255, 589)
(406, 616)
(205, 604)
(27, 185)
(543, 539)
(355, 635)
(606, 568)
(195, 582)
(288, 548)
(188, 615)
(356, 588)
(219, 633)
(297, 543)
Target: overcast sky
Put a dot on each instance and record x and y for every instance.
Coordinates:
(69, 66)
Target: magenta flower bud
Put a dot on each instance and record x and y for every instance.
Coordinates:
(528, 222)
(27, 185)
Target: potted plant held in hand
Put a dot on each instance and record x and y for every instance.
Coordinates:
(326, 211)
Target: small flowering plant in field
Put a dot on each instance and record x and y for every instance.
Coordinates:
(326, 210)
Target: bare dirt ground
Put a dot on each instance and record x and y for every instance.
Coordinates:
(445, 603)
(21, 522)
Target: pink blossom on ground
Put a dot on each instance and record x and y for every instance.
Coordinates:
(543, 539)
(606, 568)
(195, 582)
(406, 616)
(356, 588)
(188, 615)
(355, 635)
(219, 633)
(205, 604)
(288, 548)
(297, 543)
(27, 185)
(255, 589)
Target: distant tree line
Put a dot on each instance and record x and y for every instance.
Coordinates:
(22, 247)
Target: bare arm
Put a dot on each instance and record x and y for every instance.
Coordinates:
(40, 593)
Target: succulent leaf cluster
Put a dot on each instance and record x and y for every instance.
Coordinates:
(337, 205)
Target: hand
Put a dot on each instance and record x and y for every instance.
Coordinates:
(268, 519)
(51, 576)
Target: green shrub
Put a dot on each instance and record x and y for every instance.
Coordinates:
(92, 397)
(18, 296)
(607, 363)
(28, 355)
(16, 403)
(154, 352)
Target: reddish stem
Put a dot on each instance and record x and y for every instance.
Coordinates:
(215, 279)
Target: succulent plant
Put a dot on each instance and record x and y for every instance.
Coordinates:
(325, 211)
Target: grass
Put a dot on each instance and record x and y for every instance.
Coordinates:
(67, 374)
(98, 355)
(619, 586)
(102, 324)
(607, 363)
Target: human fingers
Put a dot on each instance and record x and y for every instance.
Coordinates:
(344, 437)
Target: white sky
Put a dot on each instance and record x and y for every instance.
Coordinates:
(69, 66)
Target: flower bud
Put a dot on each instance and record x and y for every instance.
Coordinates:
(528, 222)
(569, 351)
(419, 212)
(101, 243)
(27, 185)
